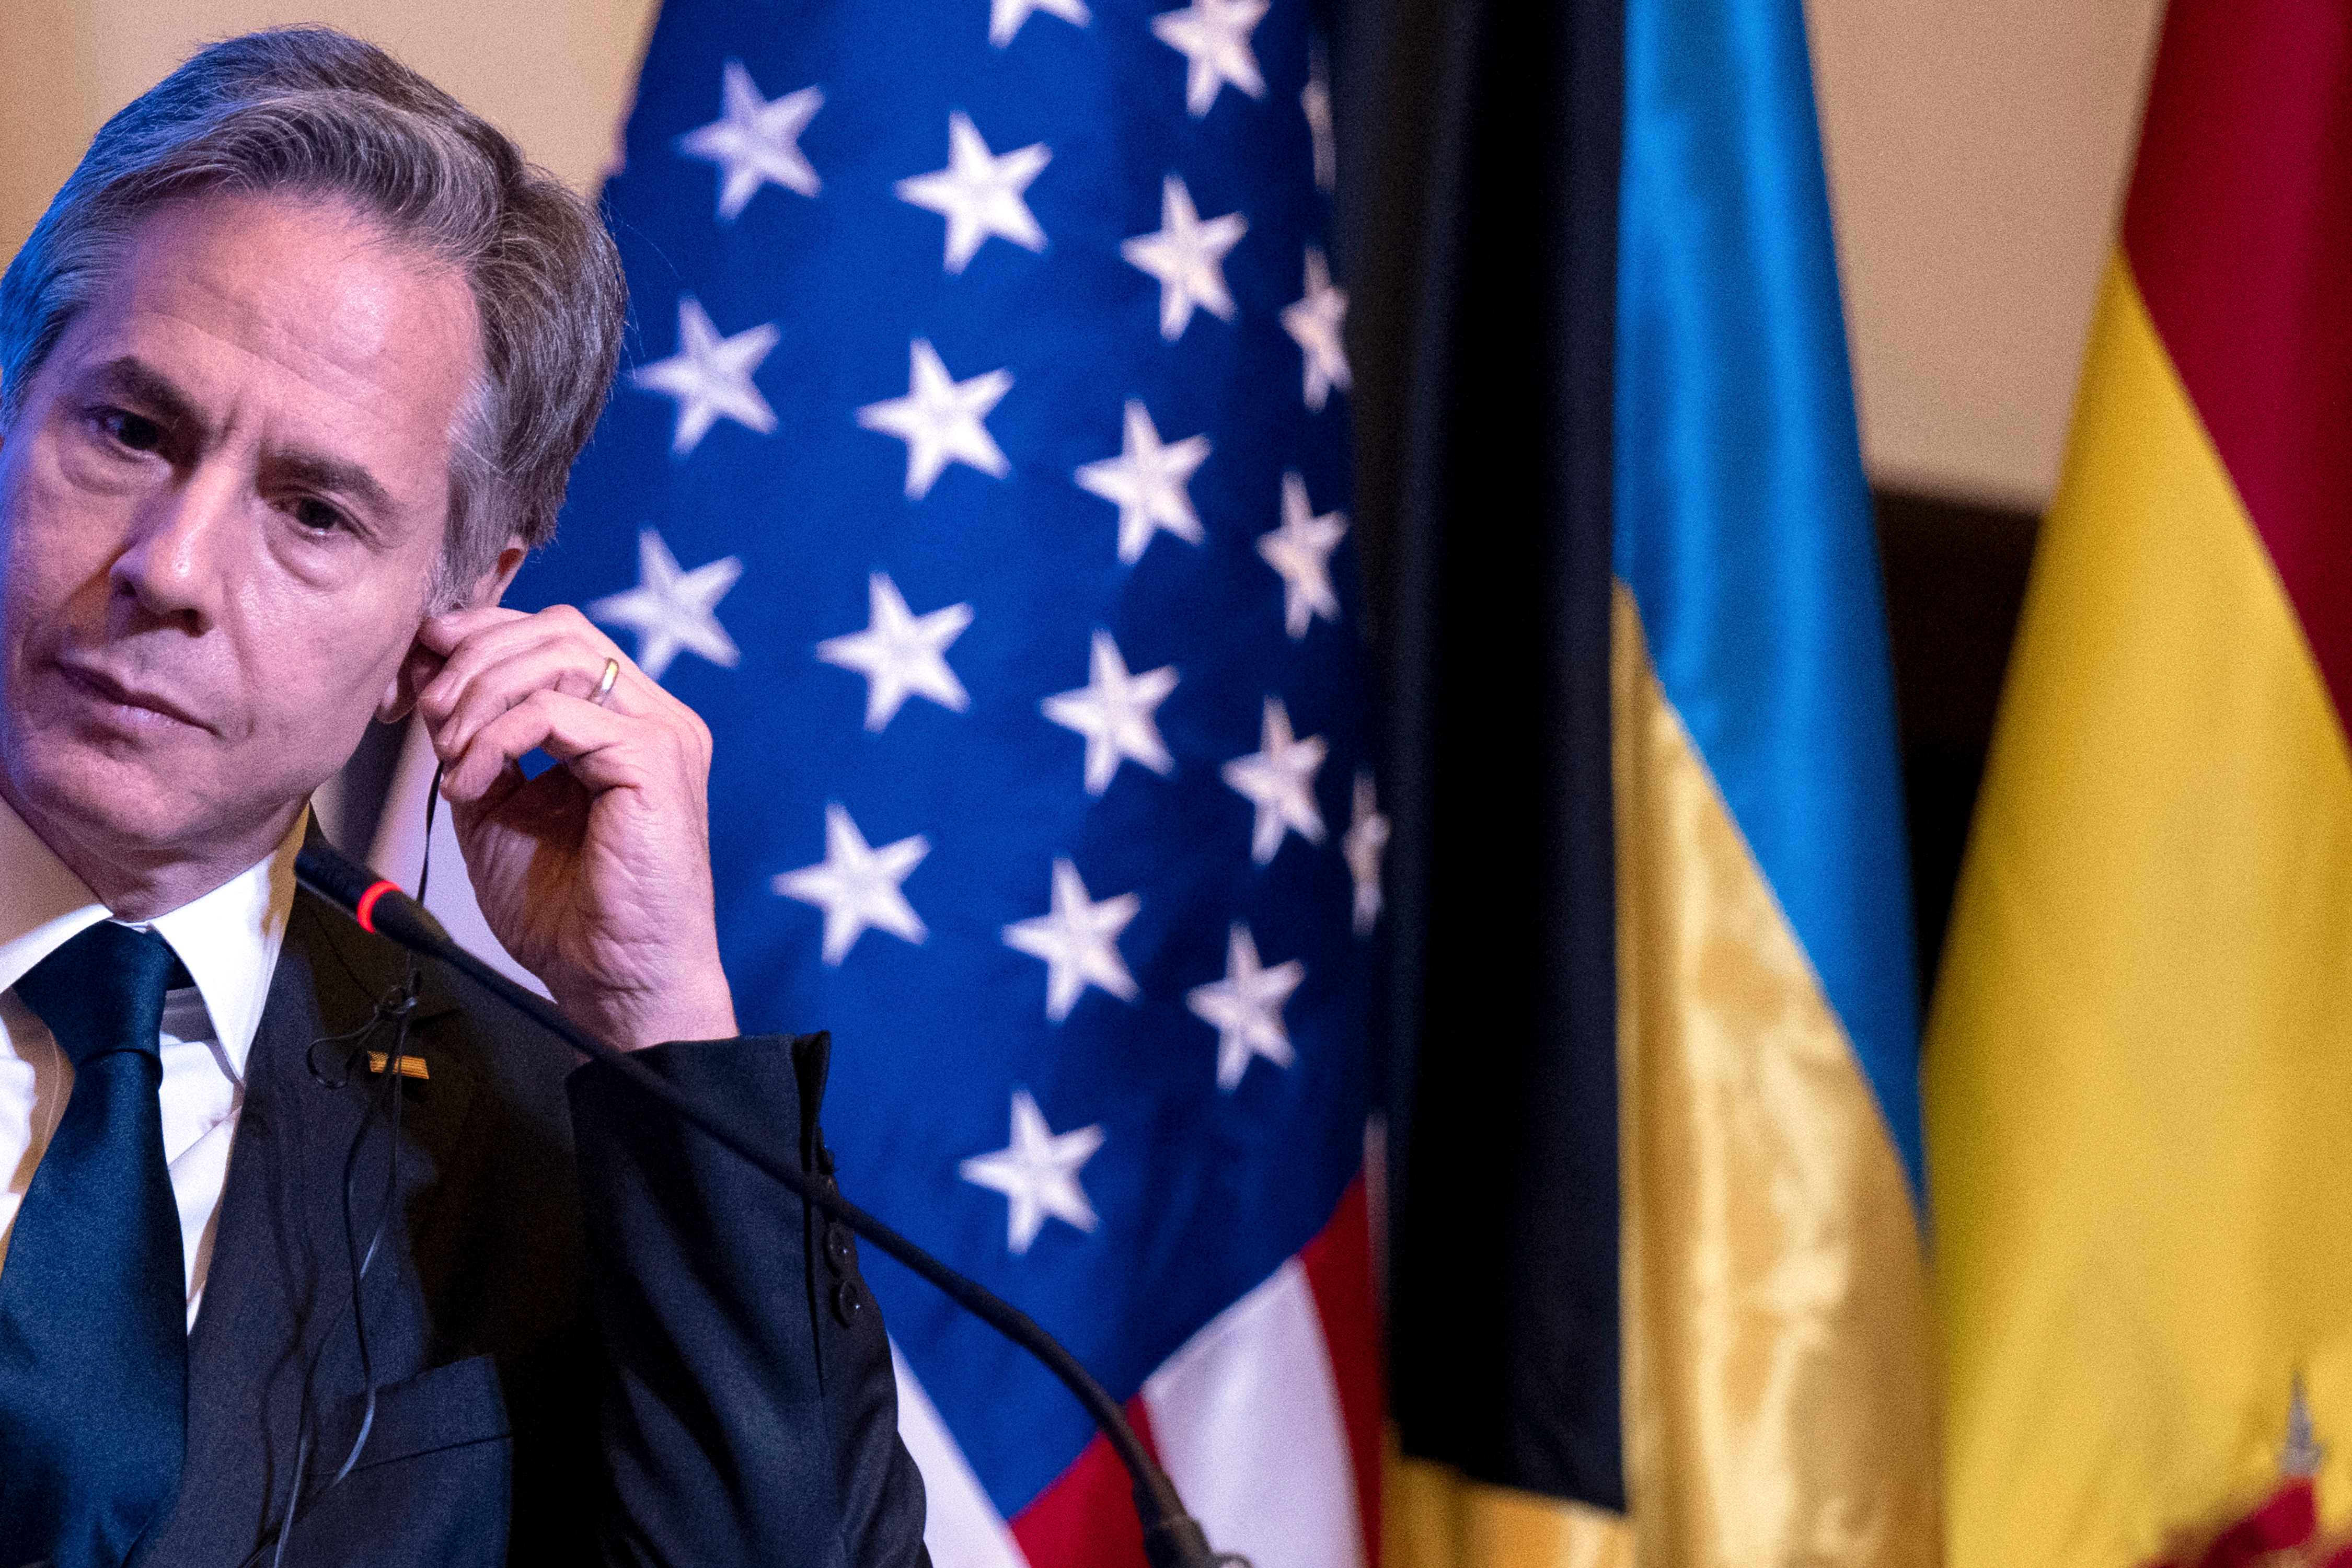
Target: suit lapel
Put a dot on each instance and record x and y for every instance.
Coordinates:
(278, 1298)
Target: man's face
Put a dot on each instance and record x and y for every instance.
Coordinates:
(220, 504)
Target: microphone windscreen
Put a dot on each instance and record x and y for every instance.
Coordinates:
(334, 877)
(376, 902)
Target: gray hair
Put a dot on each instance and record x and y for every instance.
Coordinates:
(310, 113)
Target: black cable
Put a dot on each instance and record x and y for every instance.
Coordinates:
(394, 1008)
(359, 1258)
(395, 1058)
(397, 1008)
(1172, 1537)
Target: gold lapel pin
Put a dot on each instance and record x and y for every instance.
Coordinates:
(411, 1065)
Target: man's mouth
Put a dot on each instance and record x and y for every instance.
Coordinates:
(108, 689)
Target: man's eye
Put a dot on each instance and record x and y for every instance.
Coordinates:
(133, 431)
(318, 516)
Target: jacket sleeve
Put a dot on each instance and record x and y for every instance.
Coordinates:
(749, 1415)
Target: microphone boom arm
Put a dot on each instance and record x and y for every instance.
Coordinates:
(1172, 1537)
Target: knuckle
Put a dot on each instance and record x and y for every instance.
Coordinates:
(530, 713)
(488, 707)
(449, 686)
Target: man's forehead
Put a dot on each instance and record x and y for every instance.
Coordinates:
(228, 288)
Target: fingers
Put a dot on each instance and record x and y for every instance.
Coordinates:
(602, 749)
(510, 682)
(443, 632)
(496, 658)
(483, 691)
(436, 638)
(472, 641)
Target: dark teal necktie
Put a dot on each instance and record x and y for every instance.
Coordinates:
(93, 1294)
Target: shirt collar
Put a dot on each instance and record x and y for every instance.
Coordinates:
(229, 938)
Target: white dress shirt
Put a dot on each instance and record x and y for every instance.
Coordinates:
(229, 940)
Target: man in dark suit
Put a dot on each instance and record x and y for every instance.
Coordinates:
(291, 376)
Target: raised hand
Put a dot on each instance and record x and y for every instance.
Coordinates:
(596, 874)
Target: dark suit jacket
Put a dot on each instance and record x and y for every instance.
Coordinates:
(597, 1336)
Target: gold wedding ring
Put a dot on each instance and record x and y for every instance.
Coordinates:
(604, 687)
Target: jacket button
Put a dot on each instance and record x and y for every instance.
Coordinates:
(837, 1251)
(848, 1303)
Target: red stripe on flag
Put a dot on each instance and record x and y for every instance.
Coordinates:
(2239, 228)
(1086, 1517)
(1339, 1266)
(2286, 1518)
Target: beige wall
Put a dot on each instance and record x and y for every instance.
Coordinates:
(1975, 154)
(554, 74)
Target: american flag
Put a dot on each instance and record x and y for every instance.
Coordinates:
(979, 475)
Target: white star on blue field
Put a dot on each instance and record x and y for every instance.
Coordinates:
(979, 472)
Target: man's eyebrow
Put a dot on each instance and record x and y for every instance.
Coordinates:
(336, 475)
(142, 383)
(133, 378)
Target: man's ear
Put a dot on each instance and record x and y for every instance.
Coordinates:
(492, 586)
(419, 664)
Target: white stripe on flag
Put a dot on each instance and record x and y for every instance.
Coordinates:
(1247, 1419)
(962, 1528)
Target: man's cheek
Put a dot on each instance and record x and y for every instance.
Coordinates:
(54, 553)
(335, 694)
(25, 616)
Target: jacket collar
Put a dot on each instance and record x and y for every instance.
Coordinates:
(228, 938)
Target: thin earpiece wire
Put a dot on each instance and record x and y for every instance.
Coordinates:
(399, 1012)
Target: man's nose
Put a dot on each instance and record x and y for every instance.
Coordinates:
(174, 567)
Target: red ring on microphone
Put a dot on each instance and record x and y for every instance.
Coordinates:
(364, 912)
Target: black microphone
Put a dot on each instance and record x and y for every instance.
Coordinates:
(1172, 1537)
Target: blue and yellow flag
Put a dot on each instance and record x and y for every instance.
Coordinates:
(1701, 514)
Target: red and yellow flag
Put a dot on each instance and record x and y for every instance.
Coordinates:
(2139, 1065)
